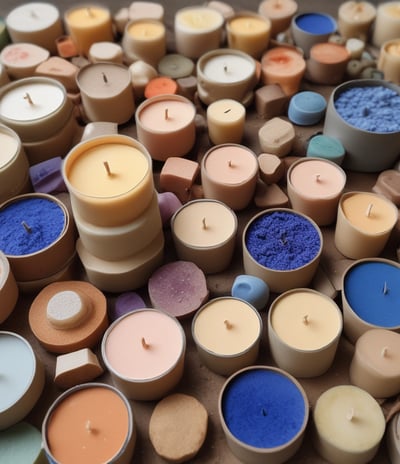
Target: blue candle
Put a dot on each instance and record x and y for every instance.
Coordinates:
(28, 225)
(264, 407)
(316, 23)
(372, 289)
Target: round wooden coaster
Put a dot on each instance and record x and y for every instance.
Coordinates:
(178, 427)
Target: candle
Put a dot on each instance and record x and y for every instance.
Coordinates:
(106, 92)
(197, 30)
(388, 185)
(87, 25)
(327, 63)
(355, 19)
(387, 23)
(364, 224)
(229, 174)
(8, 288)
(389, 60)
(166, 126)
(21, 59)
(145, 40)
(282, 247)
(370, 289)
(144, 352)
(36, 235)
(204, 232)
(314, 188)
(279, 12)
(392, 434)
(227, 334)
(283, 66)
(375, 363)
(248, 32)
(175, 66)
(106, 51)
(38, 23)
(225, 121)
(349, 425)
(264, 413)
(22, 442)
(67, 316)
(20, 388)
(98, 421)
(226, 73)
(304, 328)
(115, 193)
(146, 10)
(141, 74)
(310, 28)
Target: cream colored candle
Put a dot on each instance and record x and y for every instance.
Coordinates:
(21, 59)
(145, 40)
(166, 125)
(314, 187)
(109, 179)
(389, 60)
(249, 32)
(349, 425)
(229, 174)
(227, 334)
(8, 288)
(106, 51)
(364, 224)
(87, 25)
(375, 365)
(197, 30)
(304, 328)
(204, 232)
(279, 12)
(355, 19)
(145, 351)
(106, 92)
(387, 23)
(225, 121)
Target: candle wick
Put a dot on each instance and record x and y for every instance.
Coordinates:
(88, 426)
(89, 11)
(145, 345)
(369, 208)
(204, 223)
(166, 115)
(33, 14)
(228, 325)
(104, 78)
(107, 166)
(230, 164)
(263, 412)
(317, 177)
(28, 98)
(385, 288)
(384, 352)
(26, 227)
(350, 415)
(305, 319)
(283, 239)
(225, 68)
(227, 111)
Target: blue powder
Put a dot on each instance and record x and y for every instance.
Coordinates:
(45, 219)
(282, 240)
(316, 23)
(370, 108)
(263, 408)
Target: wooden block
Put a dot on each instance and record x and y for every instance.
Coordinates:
(61, 70)
(272, 168)
(178, 176)
(270, 101)
(76, 367)
(270, 196)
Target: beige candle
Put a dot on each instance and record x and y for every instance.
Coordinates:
(327, 63)
(226, 121)
(389, 60)
(279, 12)
(21, 59)
(387, 23)
(355, 19)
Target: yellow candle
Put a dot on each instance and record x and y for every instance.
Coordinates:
(225, 121)
(389, 60)
(387, 23)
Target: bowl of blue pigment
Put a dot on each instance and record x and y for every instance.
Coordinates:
(364, 114)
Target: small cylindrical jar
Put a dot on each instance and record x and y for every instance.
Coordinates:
(355, 19)
(279, 13)
(387, 23)
(226, 121)
(389, 60)
(327, 63)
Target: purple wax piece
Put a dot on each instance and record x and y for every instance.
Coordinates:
(46, 176)
(168, 203)
(126, 302)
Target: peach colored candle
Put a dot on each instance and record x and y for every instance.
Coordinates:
(327, 63)
(229, 174)
(279, 12)
(355, 19)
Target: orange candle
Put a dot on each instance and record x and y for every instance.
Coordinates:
(327, 63)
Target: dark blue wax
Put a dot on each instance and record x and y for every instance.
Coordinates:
(315, 23)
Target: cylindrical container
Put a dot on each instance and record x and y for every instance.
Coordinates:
(304, 328)
(279, 13)
(348, 425)
(355, 19)
(370, 291)
(21, 59)
(254, 411)
(226, 121)
(387, 23)
(389, 60)
(120, 185)
(144, 351)
(99, 422)
(282, 247)
(166, 125)
(361, 139)
(8, 288)
(229, 174)
(227, 332)
(365, 221)
(327, 63)
(22, 387)
(314, 187)
(204, 232)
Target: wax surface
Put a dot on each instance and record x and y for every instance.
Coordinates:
(263, 408)
(166, 115)
(87, 17)
(103, 80)
(364, 288)
(31, 17)
(315, 23)
(249, 26)
(9, 146)
(20, 444)
(228, 68)
(198, 19)
(146, 30)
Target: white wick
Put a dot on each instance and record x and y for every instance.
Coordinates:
(26, 227)
(88, 426)
(385, 288)
(384, 351)
(369, 208)
(350, 415)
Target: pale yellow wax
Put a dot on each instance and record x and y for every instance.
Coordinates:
(227, 326)
(306, 320)
(146, 30)
(200, 19)
(225, 121)
(249, 34)
(387, 23)
(393, 9)
(9, 146)
(394, 49)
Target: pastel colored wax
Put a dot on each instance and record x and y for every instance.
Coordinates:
(21, 444)
(306, 108)
(315, 23)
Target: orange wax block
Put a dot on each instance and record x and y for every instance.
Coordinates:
(160, 86)
(270, 196)
(178, 176)
(271, 167)
(66, 47)
(61, 70)
(388, 184)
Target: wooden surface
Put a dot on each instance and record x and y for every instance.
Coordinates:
(198, 380)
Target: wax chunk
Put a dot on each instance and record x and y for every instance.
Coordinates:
(270, 196)
(272, 168)
(61, 70)
(251, 289)
(270, 101)
(178, 175)
(126, 302)
(277, 136)
(168, 203)
(388, 184)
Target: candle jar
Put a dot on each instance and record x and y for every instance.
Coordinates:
(276, 233)
(8, 288)
(355, 19)
(364, 224)
(327, 63)
(144, 350)
(227, 333)
(204, 232)
(254, 411)
(314, 188)
(368, 284)
(387, 23)
(97, 418)
(22, 387)
(304, 328)
(389, 60)
(280, 13)
(364, 135)
(226, 73)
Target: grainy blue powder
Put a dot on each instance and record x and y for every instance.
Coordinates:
(370, 108)
(282, 240)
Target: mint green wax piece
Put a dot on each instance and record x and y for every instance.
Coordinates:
(21, 444)
(329, 148)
